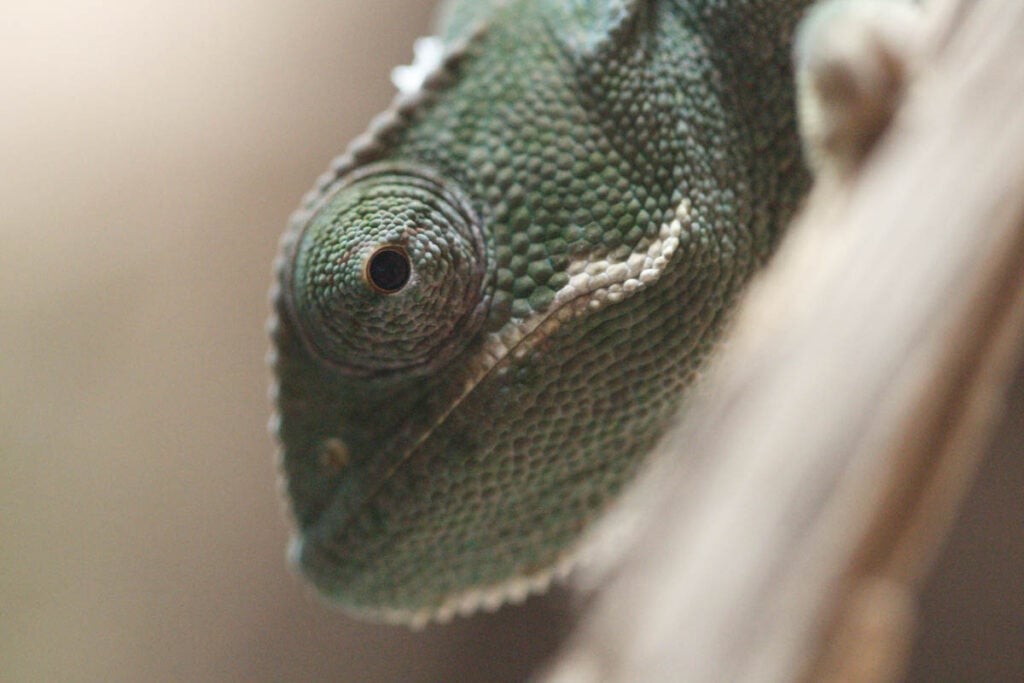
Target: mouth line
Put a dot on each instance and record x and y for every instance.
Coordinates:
(592, 285)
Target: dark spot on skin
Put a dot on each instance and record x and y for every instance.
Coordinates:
(333, 454)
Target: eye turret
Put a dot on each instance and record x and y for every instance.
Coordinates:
(387, 275)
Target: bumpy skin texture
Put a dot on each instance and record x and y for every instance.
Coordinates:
(582, 189)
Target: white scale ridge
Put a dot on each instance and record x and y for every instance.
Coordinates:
(593, 284)
(608, 280)
(428, 53)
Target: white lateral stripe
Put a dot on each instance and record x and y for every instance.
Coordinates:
(592, 284)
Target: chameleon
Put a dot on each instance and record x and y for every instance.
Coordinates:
(488, 310)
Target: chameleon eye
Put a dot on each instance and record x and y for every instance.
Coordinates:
(388, 270)
(385, 231)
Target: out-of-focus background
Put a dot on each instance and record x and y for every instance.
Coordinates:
(149, 156)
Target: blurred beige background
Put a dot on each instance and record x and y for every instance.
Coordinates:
(149, 156)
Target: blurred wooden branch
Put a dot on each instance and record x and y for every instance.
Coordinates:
(806, 490)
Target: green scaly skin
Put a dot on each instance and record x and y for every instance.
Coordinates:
(581, 191)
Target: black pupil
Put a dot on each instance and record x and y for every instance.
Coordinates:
(389, 270)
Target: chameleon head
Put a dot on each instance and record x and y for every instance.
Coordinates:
(486, 313)
(386, 277)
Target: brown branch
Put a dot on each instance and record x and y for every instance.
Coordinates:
(804, 494)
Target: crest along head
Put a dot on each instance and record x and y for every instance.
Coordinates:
(386, 276)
